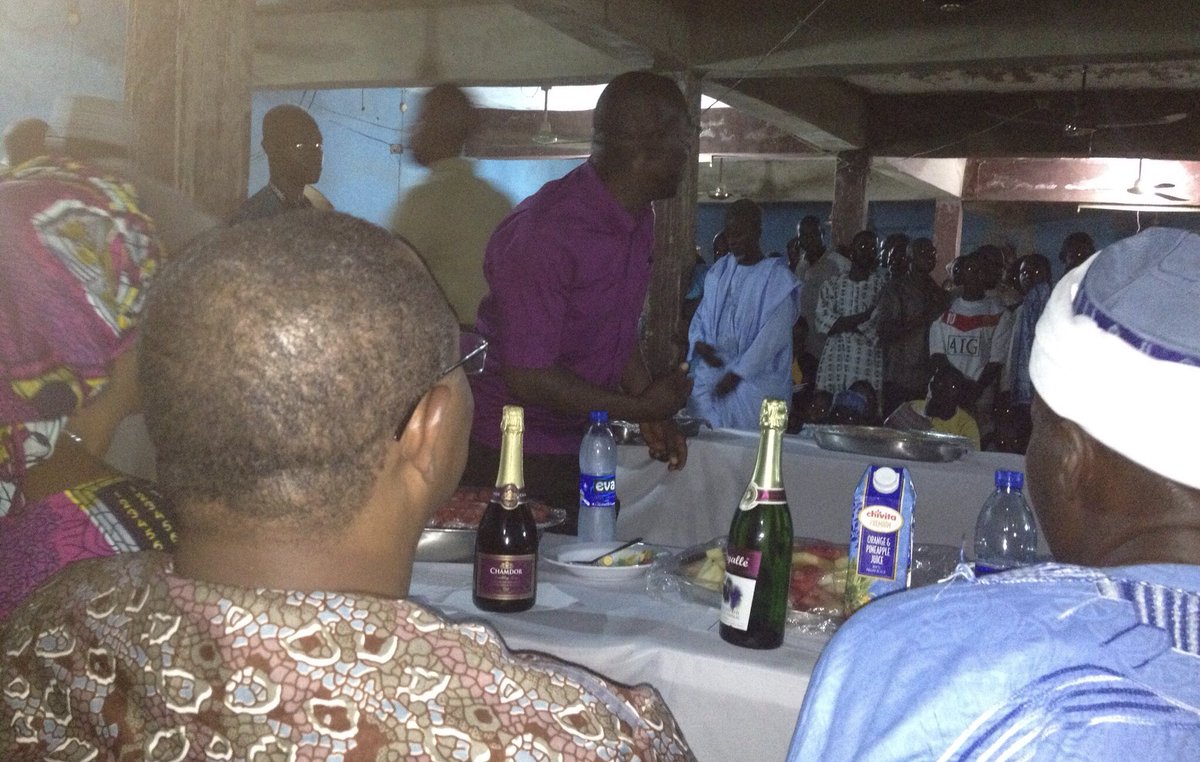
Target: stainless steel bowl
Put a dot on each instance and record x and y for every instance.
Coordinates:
(626, 432)
(884, 442)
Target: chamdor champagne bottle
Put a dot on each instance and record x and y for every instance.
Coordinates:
(506, 542)
(758, 555)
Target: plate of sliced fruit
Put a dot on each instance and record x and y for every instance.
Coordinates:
(818, 581)
(817, 586)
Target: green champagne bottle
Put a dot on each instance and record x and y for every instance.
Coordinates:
(758, 554)
(506, 542)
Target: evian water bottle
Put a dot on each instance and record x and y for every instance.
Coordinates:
(598, 481)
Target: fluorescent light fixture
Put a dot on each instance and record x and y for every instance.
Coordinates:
(1140, 207)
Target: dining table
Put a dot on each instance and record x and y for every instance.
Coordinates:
(696, 504)
(731, 702)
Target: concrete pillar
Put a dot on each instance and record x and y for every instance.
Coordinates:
(187, 82)
(674, 253)
(849, 196)
(947, 235)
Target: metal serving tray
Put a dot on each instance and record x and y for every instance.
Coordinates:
(884, 442)
(458, 545)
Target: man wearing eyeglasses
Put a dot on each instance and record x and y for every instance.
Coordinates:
(567, 273)
(292, 142)
(281, 628)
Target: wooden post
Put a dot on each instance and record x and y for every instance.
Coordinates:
(849, 196)
(187, 83)
(674, 254)
(947, 235)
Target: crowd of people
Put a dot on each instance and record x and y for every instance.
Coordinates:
(302, 384)
(873, 334)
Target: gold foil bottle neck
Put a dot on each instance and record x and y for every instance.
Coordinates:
(774, 415)
(512, 418)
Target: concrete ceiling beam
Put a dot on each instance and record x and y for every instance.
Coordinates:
(825, 114)
(641, 33)
(481, 44)
(851, 37)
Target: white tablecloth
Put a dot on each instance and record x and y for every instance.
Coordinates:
(696, 504)
(732, 703)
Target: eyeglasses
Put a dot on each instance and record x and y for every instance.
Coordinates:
(473, 350)
(472, 358)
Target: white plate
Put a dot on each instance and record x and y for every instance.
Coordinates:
(571, 558)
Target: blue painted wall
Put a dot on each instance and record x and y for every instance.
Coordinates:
(913, 218)
(361, 175)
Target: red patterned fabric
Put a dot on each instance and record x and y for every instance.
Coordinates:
(75, 258)
(109, 515)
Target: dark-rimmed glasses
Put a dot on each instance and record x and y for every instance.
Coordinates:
(472, 358)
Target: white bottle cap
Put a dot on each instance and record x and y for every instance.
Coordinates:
(885, 480)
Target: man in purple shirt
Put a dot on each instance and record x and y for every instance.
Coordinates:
(567, 276)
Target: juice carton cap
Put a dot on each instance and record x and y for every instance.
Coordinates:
(885, 480)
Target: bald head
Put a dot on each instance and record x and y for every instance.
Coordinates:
(294, 147)
(447, 119)
(636, 104)
(641, 136)
(277, 358)
(743, 226)
(25, 139)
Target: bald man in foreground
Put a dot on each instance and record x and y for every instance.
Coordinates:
(1096, 657)
(306, 445)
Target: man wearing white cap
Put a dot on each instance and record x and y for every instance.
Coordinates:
(1095, 658)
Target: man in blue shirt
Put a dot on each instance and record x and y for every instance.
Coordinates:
(1094, 658)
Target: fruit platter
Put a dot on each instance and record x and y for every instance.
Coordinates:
(817, 586)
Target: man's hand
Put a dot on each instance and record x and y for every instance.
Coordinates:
(708, 353)
(666, 394)
(666, 443)
(727, 384)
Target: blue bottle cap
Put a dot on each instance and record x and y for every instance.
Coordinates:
(598, 416)
(1009, 479)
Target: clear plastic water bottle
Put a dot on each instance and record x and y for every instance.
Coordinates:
(598, 481)
(1006, 534)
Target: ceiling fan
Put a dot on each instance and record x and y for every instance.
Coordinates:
(545, 140)
(1141, 188)
(545, 136)
(1082, 121)
(719, 193)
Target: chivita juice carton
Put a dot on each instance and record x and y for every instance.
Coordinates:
(881, 535)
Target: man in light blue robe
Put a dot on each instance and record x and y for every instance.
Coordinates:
(741, 334)
(1096, 658)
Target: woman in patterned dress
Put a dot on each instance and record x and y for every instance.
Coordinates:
(75, 259)
(846, 313)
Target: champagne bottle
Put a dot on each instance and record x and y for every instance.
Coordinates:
(758, 554)
(506, 542)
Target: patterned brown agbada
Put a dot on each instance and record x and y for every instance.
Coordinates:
(118, 658)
